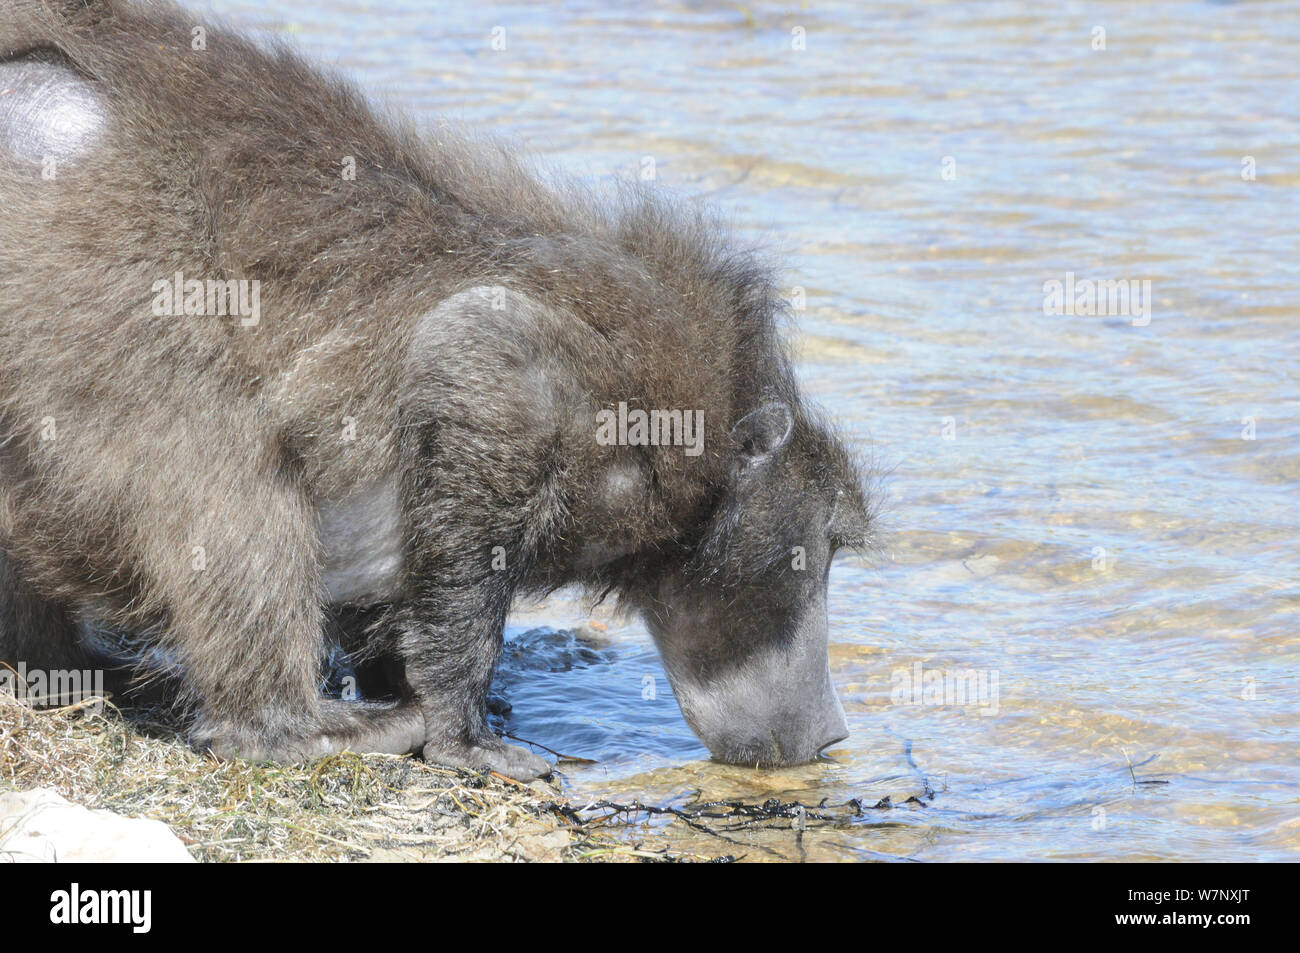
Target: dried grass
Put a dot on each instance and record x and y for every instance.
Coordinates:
(343, 808)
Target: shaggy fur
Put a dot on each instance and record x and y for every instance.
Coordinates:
(373, 360)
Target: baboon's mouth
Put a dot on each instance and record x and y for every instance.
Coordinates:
(821, 752)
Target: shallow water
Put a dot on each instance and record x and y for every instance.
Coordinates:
(1073, 508)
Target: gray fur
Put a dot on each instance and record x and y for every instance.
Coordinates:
(445, 328)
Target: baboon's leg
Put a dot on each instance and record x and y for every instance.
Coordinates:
(468, 554)
(466, 563)
(487, 393)
(230, 551)
(33, 630)
(451, 638)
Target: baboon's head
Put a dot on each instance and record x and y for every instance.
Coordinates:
(742, 625)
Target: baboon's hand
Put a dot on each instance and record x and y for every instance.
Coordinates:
(510, 760)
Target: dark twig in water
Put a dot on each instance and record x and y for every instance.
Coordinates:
(1132, 774)
(572, 759)
(927, 790)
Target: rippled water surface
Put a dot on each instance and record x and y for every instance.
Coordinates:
(1074, 507)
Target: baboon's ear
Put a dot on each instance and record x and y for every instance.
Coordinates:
(762, 432)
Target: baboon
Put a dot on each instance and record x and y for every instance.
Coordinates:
(268, 354)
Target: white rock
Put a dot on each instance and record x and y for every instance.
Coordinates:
(40, 826)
